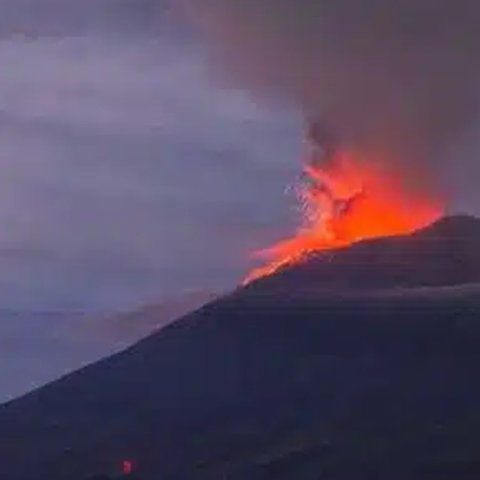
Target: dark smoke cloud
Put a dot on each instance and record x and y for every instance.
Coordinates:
(395, 77)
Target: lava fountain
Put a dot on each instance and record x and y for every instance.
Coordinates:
(346, 199)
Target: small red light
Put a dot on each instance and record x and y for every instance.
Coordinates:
(127, 467)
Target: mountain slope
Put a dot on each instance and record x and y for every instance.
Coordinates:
(269, 385)
(445, 253)
(42, 346)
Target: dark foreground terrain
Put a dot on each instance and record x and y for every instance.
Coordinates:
(283, 380)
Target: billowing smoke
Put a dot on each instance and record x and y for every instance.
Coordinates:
(396, 79)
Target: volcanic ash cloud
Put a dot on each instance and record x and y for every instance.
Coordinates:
(398, 79)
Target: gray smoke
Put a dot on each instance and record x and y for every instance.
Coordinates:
(395, 78)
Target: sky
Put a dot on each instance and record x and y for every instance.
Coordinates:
(128, 171)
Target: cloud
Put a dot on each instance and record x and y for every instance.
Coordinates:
(61, 18)
(127, 174)
(396, 80)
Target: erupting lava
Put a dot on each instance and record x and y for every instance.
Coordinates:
(346, 200)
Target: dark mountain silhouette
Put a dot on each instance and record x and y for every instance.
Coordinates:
(445, 253)
(284, 379)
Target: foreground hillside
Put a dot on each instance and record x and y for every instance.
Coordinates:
(272, 383)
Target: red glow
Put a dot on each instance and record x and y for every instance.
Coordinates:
(347, 200)
(127, 467)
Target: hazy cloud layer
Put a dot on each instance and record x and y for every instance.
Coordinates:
(126, 174)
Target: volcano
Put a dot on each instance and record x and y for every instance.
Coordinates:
(360, 362)
(445, 253)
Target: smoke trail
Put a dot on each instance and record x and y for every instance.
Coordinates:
(396, 77)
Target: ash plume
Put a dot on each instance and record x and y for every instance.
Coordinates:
(395, 78)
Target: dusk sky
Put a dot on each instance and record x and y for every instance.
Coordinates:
(129, 171)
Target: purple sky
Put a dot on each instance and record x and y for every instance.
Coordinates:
(128, 172)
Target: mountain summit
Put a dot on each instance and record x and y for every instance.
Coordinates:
(445, 253)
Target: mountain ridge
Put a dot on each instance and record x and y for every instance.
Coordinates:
(444, 253)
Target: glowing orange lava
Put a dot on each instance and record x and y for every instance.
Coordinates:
(344, 201)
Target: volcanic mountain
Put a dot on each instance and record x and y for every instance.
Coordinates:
(358, 363)
(445, 253)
